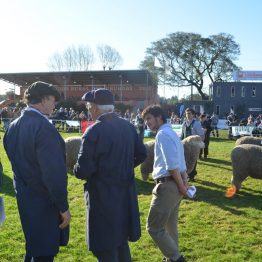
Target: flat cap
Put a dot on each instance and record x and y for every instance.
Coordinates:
(100, 96)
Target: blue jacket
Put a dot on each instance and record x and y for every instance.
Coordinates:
(109, 152)
(37, 154)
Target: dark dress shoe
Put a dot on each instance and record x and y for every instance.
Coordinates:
(180, 259)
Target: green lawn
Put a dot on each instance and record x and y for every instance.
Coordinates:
(211, 227)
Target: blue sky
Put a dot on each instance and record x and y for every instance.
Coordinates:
(33, 30)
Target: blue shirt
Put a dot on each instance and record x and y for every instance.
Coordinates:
(169, 152)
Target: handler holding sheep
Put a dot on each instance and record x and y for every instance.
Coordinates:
(171, 184)
(109, 152)
(37, 154)
(192, 126)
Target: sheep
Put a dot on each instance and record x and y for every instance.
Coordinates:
(249, 140)
(192, 146)
(72, 146)
(246, 161)
(147, 166)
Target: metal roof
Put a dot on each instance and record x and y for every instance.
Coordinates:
(81, 77)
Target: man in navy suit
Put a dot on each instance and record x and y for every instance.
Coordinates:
(109, 152)
(37, 154)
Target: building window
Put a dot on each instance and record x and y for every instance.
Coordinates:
(218, 110)
(218, 91)
(253, 91)
(243, 91)
(232, 91)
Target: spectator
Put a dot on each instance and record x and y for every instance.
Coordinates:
(140, 124)
(214, 122)
(5, 116)
(206, 125)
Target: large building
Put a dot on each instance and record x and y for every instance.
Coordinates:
(241, 98)
(133, 87)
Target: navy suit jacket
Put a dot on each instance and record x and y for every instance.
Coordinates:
(109, 152)
(37, 154)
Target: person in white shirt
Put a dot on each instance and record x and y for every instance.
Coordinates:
(171, 184)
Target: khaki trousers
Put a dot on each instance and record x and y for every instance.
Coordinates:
(163, 218)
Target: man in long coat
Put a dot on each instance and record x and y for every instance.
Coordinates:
(109, 152)
(37, 154)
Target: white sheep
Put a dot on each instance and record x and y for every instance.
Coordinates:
(72, 145)
(246, 161)
(249, 140)
(192, 147)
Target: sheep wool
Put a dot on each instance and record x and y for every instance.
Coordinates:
(246, 161)
(192, 146)
(249, 140)
(72, 145)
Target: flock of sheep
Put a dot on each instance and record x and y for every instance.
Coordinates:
(246, 157)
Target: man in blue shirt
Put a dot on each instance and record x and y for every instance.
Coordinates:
(109, 152)
(170, 176)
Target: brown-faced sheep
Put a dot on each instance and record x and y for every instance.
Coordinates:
(72, 145)
(249, 140)
(246, 161)
(192, 146)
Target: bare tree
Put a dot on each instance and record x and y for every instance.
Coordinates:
(72, 59)
(56, 62)
(85, 57)
(108, 56)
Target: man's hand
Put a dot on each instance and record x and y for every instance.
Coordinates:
(65, 217)
(182, 189)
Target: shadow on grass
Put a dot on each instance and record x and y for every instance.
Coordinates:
(217, 161)
(205, 163)
(217, 198)
(221, 139)
(144, 188)
(8, 188)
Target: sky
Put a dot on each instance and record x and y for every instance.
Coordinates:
(33, 30)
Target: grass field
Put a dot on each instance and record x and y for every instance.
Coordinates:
(211, 227)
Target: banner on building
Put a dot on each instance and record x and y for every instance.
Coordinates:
(247, 75)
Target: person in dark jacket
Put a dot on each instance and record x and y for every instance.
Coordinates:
(109, 152)
(191, 126)
(37, 154)
(206, 125)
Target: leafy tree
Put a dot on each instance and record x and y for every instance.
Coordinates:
(171, 101)
(108, 56)
(189, 59)
(195, 97)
